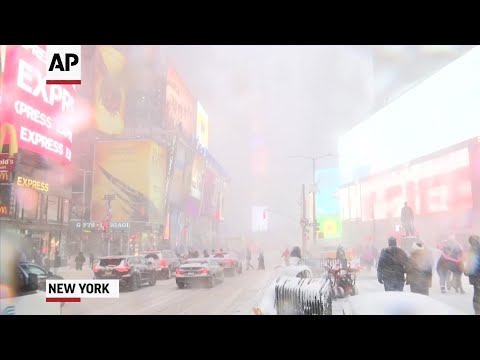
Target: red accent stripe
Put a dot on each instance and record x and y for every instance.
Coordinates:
(63, 299)
(64, 82)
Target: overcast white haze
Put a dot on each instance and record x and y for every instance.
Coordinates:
(295, 100)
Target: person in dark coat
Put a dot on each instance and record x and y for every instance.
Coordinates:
(205, 253)
(79, 261)
(472, 270)
(448, 263)
(261, 261)
(341, 257)
(91, 258)
(419, 269)
(391, 266)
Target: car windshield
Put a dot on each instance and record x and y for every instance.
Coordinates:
(357, 165)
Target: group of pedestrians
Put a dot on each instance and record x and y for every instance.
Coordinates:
(396, 269)
(261, 260)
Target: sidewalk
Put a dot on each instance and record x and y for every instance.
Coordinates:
(367, 283)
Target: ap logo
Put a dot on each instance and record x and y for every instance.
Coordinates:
(64, 64)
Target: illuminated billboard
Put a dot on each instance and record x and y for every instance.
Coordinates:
(110, 90)
(180, 105)
(198, 176)
(442, 184)
(202, 126)
(134, 174)
(328, 203)
(439, 112)
(34, 116)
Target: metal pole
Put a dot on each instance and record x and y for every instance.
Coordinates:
(83, 210)
(314, 190)
(303, 217)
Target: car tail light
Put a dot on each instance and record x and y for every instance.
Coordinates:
(180, 272)
(204, 271)
(122, 268)
(229, 261)
(163, 263)
(96, 269)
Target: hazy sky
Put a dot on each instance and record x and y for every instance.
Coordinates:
(266, 103)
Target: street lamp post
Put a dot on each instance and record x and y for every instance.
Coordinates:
(314, 190)
(83, 204)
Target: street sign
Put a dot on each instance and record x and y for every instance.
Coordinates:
(109, 197)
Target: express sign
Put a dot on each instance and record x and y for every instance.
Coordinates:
(38, 112)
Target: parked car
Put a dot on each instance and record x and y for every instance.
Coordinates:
(132, 271)
(42, 274)
(196, 270)
(166, 262)
(24, 297)
(230, 262)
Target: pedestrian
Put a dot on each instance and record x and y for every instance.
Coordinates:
(419, 269)
(205, 253)
(341, 257)
(457, 268)
(57, 262)
(472, 270)
(79, 261)
(295, 256)
(91, 258)
(249, 259)
(286, 256)
(261, 261)
(448, 263)
(391, 266)
(407, 220)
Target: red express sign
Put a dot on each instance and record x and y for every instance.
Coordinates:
(38, 112)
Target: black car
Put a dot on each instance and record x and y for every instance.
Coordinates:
(43, 275)
(132, 271)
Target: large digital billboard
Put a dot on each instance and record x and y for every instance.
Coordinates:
(35, 116)
(180, 104)
(327, 202)
(442, 184)
(439, 112)
(110, 90)
(121, 169)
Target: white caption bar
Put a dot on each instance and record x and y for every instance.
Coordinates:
(83, 289)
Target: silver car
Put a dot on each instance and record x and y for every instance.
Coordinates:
(205, 270)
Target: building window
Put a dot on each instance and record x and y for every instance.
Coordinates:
(52, 208)
(28, 201)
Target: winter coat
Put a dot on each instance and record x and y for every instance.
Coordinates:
(472, 266)
(420, 268)
(391, 264)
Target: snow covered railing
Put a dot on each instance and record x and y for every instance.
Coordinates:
(303, 296)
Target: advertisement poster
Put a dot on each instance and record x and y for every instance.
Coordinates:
(177, 182)
(327, 202)
(120, 168)
(33, 115)
(110, 90)
(202, 126)
(198, 176)
(207, 207)
(180, 105)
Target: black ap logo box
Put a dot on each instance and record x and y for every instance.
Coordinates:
(64, 64)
